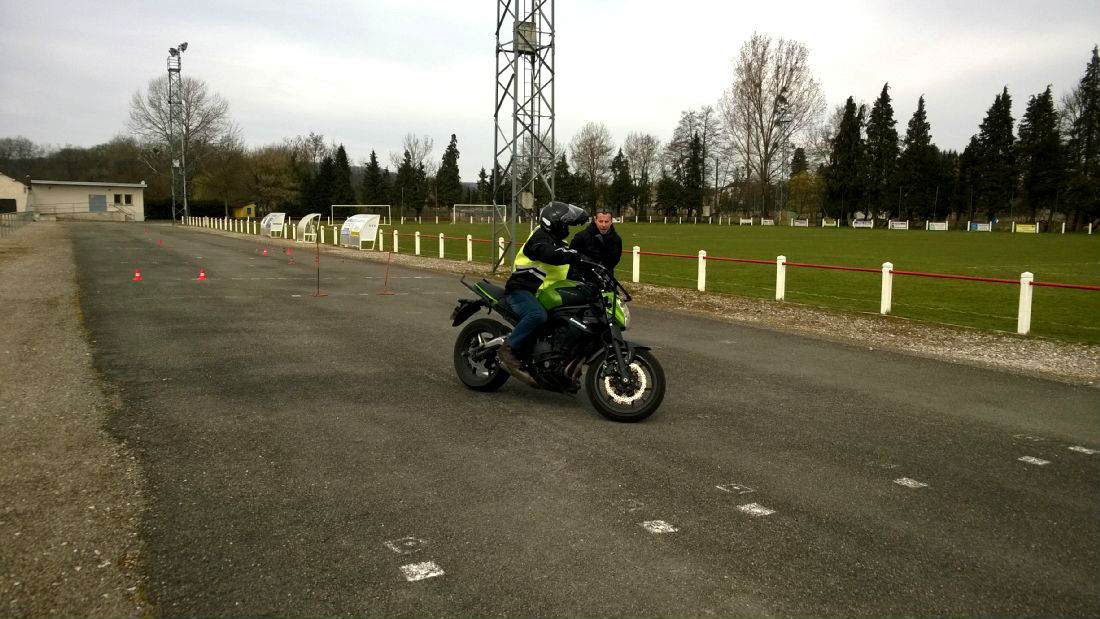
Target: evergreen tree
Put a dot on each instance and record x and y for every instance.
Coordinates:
(621, 191)
(692, 195)
(322, 189)
(1084, 145)
(997, 164)
(669, 194)
(484, 187)
(799, 162)
(969, 182)
(882, 152)
(403, 192)
(448, 181)
(844, 177)
(420, 195)
(917, 167)
(566, 186)
(1039, 152)
(374, 192)
(342, 191)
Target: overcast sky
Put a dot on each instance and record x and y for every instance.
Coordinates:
(366, 73)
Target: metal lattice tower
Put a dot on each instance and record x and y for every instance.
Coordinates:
(523, 145)
(176, 135)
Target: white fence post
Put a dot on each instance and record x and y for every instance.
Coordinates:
(416, 242)
(322, 235)
(1023, 321)
(381, 241)
(1063, 227)
(780, 278)
(887, 288)
(395, 241)
(469, 248)
(336, 236)
(440, 241)
(637, 264)
(702, 270)
(500, 247)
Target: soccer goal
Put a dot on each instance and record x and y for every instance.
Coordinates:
(472, 213)
(347, 210)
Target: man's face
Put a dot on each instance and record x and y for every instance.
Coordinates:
(603, 222)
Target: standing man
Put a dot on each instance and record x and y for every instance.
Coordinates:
(599, 241)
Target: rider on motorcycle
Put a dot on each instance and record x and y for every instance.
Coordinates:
(541, 261)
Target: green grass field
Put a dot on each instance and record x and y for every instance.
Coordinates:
(1072, 315)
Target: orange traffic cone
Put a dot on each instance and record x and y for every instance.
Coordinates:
(202, 274)
(289, 256)
(265, 251)
(137, 275)
(160, 241)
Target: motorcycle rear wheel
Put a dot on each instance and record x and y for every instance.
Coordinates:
(627, 401)
(484, 375)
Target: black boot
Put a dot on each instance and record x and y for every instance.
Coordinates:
(512, 365)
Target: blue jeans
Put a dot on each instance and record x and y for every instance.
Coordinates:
(531, 315)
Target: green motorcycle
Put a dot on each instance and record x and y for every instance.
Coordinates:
(581, 340)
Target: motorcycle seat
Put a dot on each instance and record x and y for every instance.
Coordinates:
(495, 290)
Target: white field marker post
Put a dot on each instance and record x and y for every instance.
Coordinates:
(780, 277)
(968, 225)
(1063, 227)
(381, 241)
(887, 288)
(416, 242)
(322, 235)
(335, 236)
(440, 241)
(1090, 227)
(437, 220)
(395, 241)
(500, 246)
(637, 264)
(1023, 322)
(702, 285)
(469, 248)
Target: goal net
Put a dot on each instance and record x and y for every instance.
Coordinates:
(472, 213)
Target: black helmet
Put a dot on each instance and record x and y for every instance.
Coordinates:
(556, 218)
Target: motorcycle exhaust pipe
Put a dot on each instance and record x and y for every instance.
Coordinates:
(488, 348)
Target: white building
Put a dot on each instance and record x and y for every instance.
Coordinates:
(13, 195)
(88, 200)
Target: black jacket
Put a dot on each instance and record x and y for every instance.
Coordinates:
(607, 249)
(540, 247)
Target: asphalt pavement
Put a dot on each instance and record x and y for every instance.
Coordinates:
(316, 456)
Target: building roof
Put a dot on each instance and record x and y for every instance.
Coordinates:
(13, 178)
(89, 183)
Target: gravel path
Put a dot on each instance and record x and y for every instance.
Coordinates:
(70, 495)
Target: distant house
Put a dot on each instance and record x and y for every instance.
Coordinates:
(13, 195)
(88, 200)
(245, 212)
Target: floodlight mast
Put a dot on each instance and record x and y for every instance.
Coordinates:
(176, 131)
(523, 153)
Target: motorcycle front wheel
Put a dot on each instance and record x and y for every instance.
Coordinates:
(628, 399)
(479, 374)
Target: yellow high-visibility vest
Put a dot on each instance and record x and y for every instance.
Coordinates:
(548, 273)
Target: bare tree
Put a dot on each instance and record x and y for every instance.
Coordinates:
(772, 98)
(418, 147)
(591, 150)
(307, 150)
(204, 122)
(641, 151)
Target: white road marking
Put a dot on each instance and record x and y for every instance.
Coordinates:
(756, 509)
(1029, 437)
(421, 571)
(735, 488)
(295, 295)
(1035, 461)
(910, 483)
(658, 526)
(406, 545)
(1084, 450)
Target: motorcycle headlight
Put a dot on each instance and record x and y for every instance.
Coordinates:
(626, 314)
